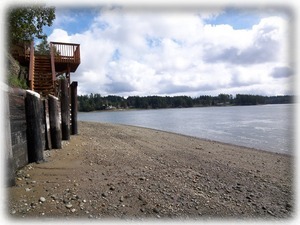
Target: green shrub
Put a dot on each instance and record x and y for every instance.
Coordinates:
(14, 81)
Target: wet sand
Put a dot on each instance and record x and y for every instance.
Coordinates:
(125, 172)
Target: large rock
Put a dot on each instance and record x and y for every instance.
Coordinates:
(13, 66)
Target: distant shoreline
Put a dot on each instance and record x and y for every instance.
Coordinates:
(97, 102)
(136, 109)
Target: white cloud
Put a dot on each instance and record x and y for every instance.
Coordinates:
(59, 35)
(136, 52)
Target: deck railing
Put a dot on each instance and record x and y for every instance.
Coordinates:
(65, 52)
(29, 52)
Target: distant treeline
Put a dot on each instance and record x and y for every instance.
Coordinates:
(94, 102)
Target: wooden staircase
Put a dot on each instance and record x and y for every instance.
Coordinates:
(63, 58)
(42, 79)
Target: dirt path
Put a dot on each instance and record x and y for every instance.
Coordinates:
(128, 172)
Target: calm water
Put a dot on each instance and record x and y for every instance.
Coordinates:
(266, 127)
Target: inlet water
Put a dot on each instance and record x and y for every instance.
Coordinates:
(265, 127)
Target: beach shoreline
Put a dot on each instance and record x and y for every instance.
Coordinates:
(121, 171)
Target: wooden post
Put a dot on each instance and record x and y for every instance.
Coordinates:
(47, 125)
(74, 107)
(55, 130)
(65, 110)
(34, 127)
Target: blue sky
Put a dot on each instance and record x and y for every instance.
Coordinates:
(238, 19)
(74, 20)
(190, 52)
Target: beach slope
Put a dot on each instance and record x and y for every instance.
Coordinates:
(116, 171)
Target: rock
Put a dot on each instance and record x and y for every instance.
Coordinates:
(141, 198)
(121, 199)
(42, 199)
(155, 210)
(54, 196)
(27, 189)
(69, 205)
(73, 210)
(288, 206)
(112, 188)
(104, 194)
(270, 212)
(142, 178)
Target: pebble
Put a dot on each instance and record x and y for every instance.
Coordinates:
(42, 199)
(69, 205)
(155, 210)
(112, 188)
(270, 212)
(288, 206)
(54, 197)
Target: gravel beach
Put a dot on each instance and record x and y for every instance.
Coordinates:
(125, 172)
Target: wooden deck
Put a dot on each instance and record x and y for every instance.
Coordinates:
(64, 55)
(64, 58)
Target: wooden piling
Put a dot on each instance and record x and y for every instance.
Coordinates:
(47, 125)
(18, 127)
(65, 110)
(54, 119)
(74, 129)
(34, 127)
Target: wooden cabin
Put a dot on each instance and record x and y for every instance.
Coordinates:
(44, 70)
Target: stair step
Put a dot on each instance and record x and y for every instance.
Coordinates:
(42, 81)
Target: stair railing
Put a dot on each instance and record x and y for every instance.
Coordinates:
(52, 63)
(31, 66)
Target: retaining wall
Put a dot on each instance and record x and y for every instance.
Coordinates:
(29, 121)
